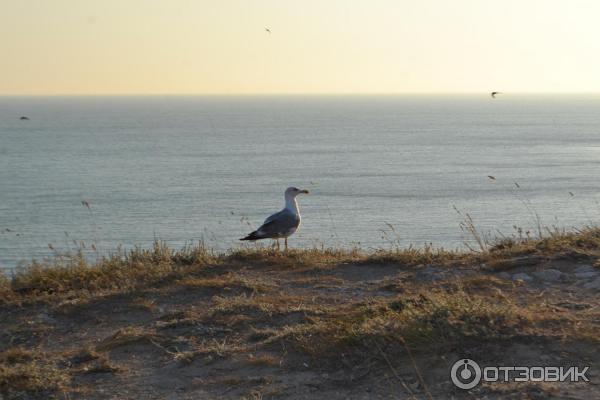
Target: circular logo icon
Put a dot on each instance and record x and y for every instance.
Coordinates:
(465, 374)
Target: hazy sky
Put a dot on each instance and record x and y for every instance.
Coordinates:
(317, 46)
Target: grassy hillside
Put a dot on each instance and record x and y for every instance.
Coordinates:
(314, 323)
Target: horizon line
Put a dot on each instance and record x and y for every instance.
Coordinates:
(294, 94)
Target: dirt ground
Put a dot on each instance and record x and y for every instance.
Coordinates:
(243, 330)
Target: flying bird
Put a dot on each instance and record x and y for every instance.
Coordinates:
(24, 118)
(281, 224)
(495, 93)
(268, 30)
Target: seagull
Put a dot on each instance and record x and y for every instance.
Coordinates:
(495, 93)
(23, 118)
(268, 30)
(281, 224)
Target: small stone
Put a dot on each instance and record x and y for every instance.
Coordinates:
(522, 277)
(551, 275)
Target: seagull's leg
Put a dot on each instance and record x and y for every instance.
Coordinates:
(285, 244)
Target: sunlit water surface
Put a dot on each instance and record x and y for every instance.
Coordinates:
(383, 171)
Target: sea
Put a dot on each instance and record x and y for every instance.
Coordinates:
(106, 173)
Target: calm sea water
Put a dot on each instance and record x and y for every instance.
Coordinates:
(183, 169)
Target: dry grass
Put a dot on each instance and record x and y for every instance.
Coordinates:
(84, 355)
(270, 305)
(225, 282)
(583, 242)
(484, 282)
(130, 336)
(263, 309)
(433, 320)
(24, 372)
(263, 359)
(101, 366)
(413, 256)
(293, 258)
(141, 268)
(6, 291)
(120, 272)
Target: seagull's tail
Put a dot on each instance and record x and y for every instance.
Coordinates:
(253, 236)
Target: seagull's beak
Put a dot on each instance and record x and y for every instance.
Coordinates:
(305, 191)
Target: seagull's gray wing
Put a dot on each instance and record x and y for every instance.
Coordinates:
(279, 224)
(277, 215)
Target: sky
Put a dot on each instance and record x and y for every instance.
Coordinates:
(86, 47)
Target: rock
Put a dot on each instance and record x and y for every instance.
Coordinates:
(522, 277)
(593, 285)
(551, 275)
(585, 275)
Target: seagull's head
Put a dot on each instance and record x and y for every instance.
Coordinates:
(294, 191)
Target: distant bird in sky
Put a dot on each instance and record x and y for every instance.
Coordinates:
(281, 224)
(24, 118)
(495, 93)
(268, 30)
